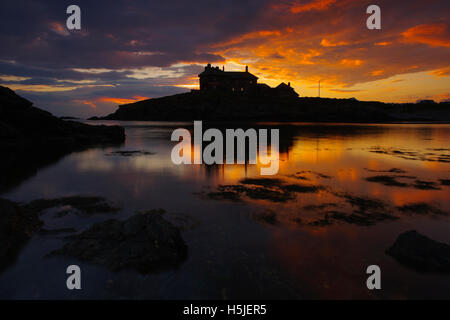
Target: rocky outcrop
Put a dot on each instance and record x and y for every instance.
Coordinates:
(421, 253)
(220, 106)
(16, 228)
(145, 242)
(21, 124)
(28, 132)
(246, 107)
(81, 205)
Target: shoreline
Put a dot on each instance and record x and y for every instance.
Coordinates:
(220, 106)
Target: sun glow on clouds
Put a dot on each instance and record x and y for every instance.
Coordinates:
(122, 100)
(58, 28)
(50, 88)
(327, 43)
(436, 35)
(39, 87)
(301, 6)
(299, 41)
(115, 101)
(137, 73)
(89, 103)
(445, 72)
(11, 78)
(304, 61)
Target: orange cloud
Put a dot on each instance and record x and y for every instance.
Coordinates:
(435, 35)
(89, 103)
(318, 5)
(351, 63)
(345, 90)
(327, 43)
(377, 72)
(444, 72)
(440, 97)
(58, 28)
(118, 101)
(251, 36)
(383, 43)
(122, 100)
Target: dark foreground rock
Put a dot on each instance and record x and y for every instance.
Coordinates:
(82, 205)
(22, 124)
(16, 228)
(145, 242)
(421, 253)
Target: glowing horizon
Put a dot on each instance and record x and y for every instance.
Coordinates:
(158, 52)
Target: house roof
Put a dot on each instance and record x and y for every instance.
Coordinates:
(230, 74)
(283, 86)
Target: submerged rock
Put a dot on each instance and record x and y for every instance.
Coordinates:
(420, 208)
(86, 205)
(144, 242)
(237, 193)
(362, 218)
(426, 185)
(388, 180)
(16, 228)
(263, 182)
(421, 253)
(130, 153)
(271, 189)
(363, 203)
(392, 170)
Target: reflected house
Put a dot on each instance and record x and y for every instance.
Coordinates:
(214, 79)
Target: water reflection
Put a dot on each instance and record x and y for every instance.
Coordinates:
(342, 194)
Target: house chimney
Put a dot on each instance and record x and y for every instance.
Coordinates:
(289, 84)
(246, 68)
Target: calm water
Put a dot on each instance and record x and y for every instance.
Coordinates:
(234, 252)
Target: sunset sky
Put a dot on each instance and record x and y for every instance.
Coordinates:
(132, 50)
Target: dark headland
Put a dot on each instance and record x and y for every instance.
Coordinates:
(238, 96)
(31, 138)
(218, 106)
(23, 125)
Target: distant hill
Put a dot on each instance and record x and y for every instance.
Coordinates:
(199, 105)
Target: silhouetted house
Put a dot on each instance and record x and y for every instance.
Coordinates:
(285, 90)
(263, 89)
(214, 78)
(426, 101)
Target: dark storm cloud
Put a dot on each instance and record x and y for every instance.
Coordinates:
(114, 33)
